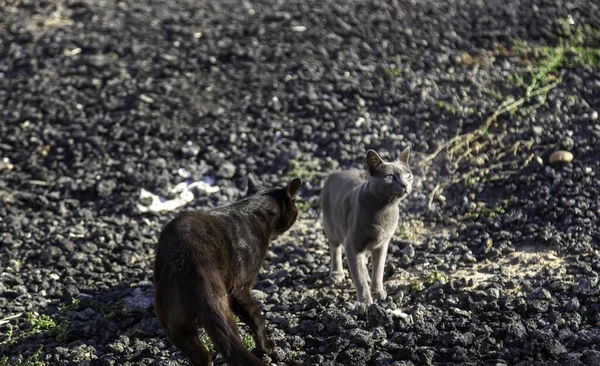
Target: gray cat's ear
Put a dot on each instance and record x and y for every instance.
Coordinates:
(404, 155)
(373, 159)
(293, 187)
(253, 185)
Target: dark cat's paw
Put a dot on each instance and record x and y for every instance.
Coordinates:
(380, 295)
(267, 346)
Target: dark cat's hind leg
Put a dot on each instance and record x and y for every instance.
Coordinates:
(245, 307)
(215, 314)
(178, 331)
(189, 344)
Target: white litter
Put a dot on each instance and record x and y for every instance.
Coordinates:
(299, 28)
(184, 173)
(186, 195)
(5, 164)
(399, 314)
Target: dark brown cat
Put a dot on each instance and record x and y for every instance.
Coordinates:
(206, 265)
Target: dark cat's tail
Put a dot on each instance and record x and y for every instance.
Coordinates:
(214, 313)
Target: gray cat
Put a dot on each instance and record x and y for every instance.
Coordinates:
(363, 215)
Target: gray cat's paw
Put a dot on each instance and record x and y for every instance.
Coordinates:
(361, 307)
(380, 295)
(336, 277)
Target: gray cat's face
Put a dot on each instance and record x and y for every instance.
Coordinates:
(392, 179)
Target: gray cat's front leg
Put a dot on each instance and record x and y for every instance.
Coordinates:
(357, 263)
(378, 256)
(336, 271)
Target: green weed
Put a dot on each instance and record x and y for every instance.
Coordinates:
(74, 306)
(38, 323)
(394, 72)
(424, 281)
(410, 230)
(303, 206)
(486, 212)
(544, 63)
(60, 331)
(454, 110)
(207, 342)
(210, 346)
(248, 341)
(33, 360)
(304, 169)
(448, 107)
(9, 334)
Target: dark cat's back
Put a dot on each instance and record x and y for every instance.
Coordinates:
(183, 245)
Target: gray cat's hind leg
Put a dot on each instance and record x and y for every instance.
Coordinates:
(336, 269)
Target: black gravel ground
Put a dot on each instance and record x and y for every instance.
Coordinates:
(102, 98)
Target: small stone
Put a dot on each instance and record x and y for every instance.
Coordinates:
(594, 115)
(469, 258)
(226, 170)
(567, 143)
(544, 294)
(5, 164)
(189, 150)
(271, 289)
(561, 156)
(361, 337)
(537, 130)
(515, 331)
(376, 315)
(591, 357)
(381, 358)
(585, 286)
(259, 295)
(335, 321)
(138, 302)
(279, 354)
(573, 304)
(409, 250)
(106, 187)
(146, 99)
(494, 292)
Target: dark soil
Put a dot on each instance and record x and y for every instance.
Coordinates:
(100, 99)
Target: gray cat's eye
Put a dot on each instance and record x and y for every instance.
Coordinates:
(408, 175)
(389, 177)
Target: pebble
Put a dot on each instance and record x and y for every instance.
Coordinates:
(226, 170)
(561, 156)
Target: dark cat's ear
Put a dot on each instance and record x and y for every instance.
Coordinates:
(373, 160)
(404, 156)
(253, 185)
(293, 187)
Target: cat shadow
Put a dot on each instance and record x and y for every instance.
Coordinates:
(117, 325)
